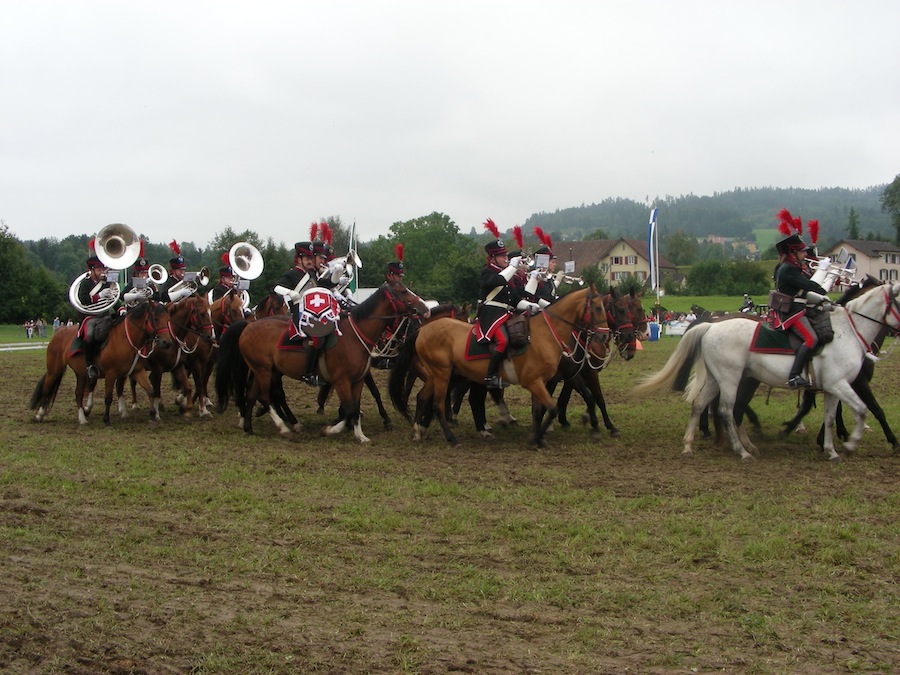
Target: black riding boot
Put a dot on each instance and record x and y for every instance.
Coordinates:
(492, 380)
(796, 379)
(312, 360)
(89, 349)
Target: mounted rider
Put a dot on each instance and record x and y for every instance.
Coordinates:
(544, 282)
(792, 281)
(226, 280)
(309, 258)
(138, 289)
(94, 329)
(177, 270)
(499, 297)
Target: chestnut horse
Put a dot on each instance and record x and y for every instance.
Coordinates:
(191, 328)
(131, 340)
(440, 346)
(253, 349)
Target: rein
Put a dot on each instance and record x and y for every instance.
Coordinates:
(153, 336)
(586, 328)
(402, 310)
(890, 308)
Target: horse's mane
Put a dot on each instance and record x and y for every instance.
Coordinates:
(855, 290)
(364, 309)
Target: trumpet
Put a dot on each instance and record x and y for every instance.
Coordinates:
(572, 280)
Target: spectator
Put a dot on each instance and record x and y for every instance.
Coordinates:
(56, 323)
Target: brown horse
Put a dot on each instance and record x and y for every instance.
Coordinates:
(578, 317)
(191, 328)
(131, 340)
(254, 347)
(271, 305)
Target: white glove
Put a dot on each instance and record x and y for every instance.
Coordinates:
(535, 274)
(134, 296)
(509, 272)
(531, 307)
(543, 303)
(178, 295)
(814, 298)
(344, 281)
(515, 261)
(336, 274)
(533, 281)
(558, 278)
(106, 293)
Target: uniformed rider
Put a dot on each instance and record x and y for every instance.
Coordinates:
(138, 291)
(94, 327)
(226, 281)
(301, 277)
(177, 270)
(791, 279)
(499, 297)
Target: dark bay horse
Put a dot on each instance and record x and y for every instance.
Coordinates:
(132, 338)
(191, 328)
(250, 355)
(441, 347)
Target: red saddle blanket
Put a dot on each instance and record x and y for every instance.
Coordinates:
(475, 350)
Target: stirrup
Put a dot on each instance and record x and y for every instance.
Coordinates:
(312, 380)
(92, 372)
(494, 382)
(799, 382)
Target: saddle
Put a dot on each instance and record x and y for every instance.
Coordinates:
(476, 350)
(292, 340)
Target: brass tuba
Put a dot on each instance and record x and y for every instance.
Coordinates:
(246, 260)
(117, 246)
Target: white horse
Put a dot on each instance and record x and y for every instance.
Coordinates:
(720, 355)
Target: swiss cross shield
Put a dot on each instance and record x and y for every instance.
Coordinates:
(316, 301)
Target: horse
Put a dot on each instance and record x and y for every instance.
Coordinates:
(253, 348)
(271, 305)
(441, 347)
(721, 357)
(192, 333)
(627, 320)
(132, 337)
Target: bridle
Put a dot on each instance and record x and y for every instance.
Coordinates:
(203, 330)
(398, 324)
(891, 307)
(153, 333)
(617, 326)
(584, 330)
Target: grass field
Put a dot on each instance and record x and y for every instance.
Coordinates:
(189, 547)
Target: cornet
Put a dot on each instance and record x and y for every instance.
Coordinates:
(572, 280)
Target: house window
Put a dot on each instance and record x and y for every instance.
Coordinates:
(894, 275)
(631, 260)
(617, 260)
(883, 275)
(618, 276)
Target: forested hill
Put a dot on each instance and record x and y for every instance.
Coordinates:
(731, 214)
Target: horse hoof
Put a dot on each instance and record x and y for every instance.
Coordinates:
(687, 453)
(747, 457)
(486, 435)
(614, 433)
(388, 426)
(836, 459)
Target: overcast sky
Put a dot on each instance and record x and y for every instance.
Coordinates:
(183, 118)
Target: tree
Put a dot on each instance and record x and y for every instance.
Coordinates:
(30, 291)
(680, 247)
(890, 202)
(853, 225)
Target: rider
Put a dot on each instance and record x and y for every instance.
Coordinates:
(226, 281)
(497, 300)
(132, 293)
(94, 327)
(791, 279)
(177, 269)
(543, 284)
(299, 278)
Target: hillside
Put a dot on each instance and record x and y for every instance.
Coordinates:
(732, 214)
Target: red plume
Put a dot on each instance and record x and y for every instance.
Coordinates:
(141, 254)
(492, 228)
(798, 225)
(784, 227)
(327, 234)
(176, 249)
(92, 245)
(785, 216)
(517, 234)
(543, 237)
(313, 231)
(398, 250)
(226, 260)
(813, 227)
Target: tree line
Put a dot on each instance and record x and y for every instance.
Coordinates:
(443, 263)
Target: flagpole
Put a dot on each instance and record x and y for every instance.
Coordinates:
(656, 250)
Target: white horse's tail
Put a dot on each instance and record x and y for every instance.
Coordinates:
(677, 370)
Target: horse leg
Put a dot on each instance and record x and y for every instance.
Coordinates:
(583, 388)
(726, 412)
(424, 406)
(133, 391)
(702, 401)
(145, 380)
(831, 402)
(506, 418)
(562, 401)
(263, 383)
(864, 391)
(120, 390)
(851, 400)
(477, 397)
(540, 397)
(439, 379)
(373, 389)
(80, 384)
(322, 397)
(186, 397)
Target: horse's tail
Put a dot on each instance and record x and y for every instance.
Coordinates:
(677, 369)
(231, 368)
(38, 397)
(397, 378)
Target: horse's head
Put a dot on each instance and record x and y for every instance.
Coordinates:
(638, 315)
(149, 323)
(404, 301)
(226, 310)
(621, 323)
(193, 316)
